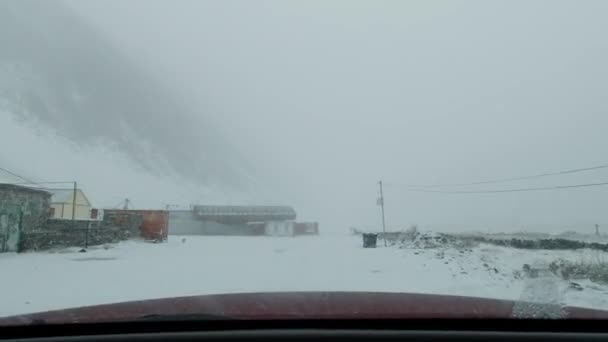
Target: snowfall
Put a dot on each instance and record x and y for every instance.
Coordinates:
(195, 265)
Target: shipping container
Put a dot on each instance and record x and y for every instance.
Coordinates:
(153, 226)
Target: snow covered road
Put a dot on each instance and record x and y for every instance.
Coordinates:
(208, 265)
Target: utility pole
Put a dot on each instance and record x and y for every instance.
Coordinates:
(381, 202)
(597, 229)
(74, 206)
(126, 206)
(86, 236)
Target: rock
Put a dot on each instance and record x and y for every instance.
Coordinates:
(529, 271)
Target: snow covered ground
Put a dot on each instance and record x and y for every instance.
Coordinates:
(207, 265)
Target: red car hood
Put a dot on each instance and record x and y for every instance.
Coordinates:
(309, 305)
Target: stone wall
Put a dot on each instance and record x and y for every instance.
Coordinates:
(26, 223)
(555, 243)
(69, 237)
(129, 220)
(58, 233)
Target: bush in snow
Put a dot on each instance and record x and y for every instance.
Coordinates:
(517, 274)
(595, 270)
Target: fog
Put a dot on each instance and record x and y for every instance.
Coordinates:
(311, 103)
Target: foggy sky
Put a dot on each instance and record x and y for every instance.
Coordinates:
(328, 97)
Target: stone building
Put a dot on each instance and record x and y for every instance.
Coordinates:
(22, 209)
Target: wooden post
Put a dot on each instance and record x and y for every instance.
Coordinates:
(382, 207)
(74, 206)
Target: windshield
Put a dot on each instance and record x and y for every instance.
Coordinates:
(281, 152)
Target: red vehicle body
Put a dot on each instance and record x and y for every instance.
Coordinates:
(307, 305)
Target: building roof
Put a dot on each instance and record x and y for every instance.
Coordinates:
(13, 187)
(259, 213)
(66, 196)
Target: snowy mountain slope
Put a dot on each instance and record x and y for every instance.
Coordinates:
(107, 175)
(57, 70)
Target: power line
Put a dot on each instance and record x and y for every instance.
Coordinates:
(18, 176)
(501, 180)
(40, 186)
(67, 182)
(118, 205)
(509, 190)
